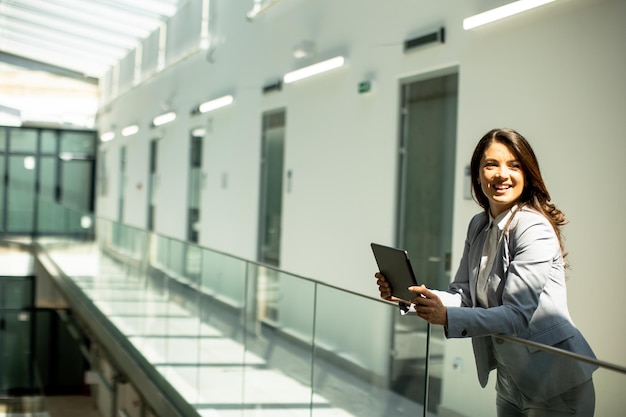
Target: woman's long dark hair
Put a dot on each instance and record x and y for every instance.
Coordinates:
(535, 194)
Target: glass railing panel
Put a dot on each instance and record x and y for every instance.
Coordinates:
(224, 278)
(216, 377)
(159, 252)
(175, 262)
(279, 344)
(352, 357)
(235, 338)
(416, 363)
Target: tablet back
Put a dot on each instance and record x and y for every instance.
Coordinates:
(394, 264)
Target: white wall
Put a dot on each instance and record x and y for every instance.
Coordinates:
(556, 74)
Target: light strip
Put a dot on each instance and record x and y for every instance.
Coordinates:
(208, 106)
(130, 130)
(314, 69)
(164, 118)
(107, 136)
(502, 12)
(198, 132)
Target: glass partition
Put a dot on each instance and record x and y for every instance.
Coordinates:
(236, 338)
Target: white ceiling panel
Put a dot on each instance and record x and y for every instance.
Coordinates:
(81, 36)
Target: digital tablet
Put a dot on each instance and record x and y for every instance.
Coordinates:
(394, 264)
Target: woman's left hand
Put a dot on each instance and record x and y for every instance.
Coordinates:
(428, 306)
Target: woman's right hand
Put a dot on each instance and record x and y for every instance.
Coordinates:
(384, 288)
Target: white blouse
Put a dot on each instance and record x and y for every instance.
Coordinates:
(490, 249)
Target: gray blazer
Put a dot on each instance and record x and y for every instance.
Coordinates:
(528, 299)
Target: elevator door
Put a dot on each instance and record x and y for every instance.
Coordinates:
(427, 177)
(121, 191)
(152, 183)
(427, 161)
(273, 145)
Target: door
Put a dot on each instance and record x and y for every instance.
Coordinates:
(152, 179)
(122, 186)
(195, 183)
(426, 185)
(273, 145)
(427, 156)
(270, 214)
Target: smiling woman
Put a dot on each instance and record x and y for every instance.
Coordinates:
(511, 281)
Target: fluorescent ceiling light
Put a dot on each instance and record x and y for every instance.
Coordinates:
(130, 130)
(198, 132)
(215, 104)
(502, 12)
(164, 118)
(314, 69)
(107, 136)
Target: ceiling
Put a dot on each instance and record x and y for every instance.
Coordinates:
(77, 38)
(53, 53)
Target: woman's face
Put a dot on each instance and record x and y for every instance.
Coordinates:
(501, 177)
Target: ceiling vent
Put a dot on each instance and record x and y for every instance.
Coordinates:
(432, 38)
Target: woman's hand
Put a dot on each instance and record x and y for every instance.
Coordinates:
(428, 306)
(384, 289)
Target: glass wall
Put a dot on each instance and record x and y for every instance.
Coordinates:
(46, 170)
